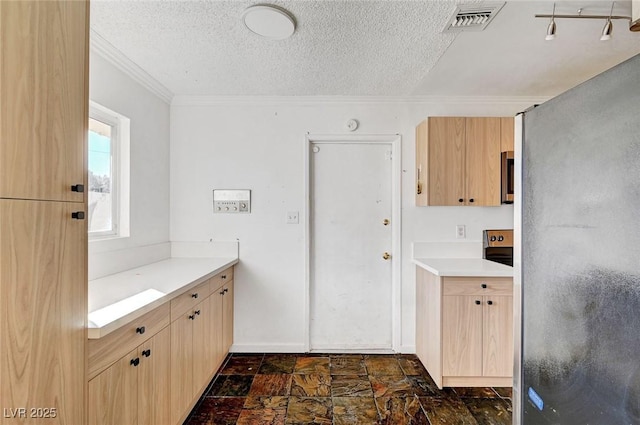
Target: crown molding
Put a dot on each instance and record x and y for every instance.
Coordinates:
(187, 100)
(109, 52)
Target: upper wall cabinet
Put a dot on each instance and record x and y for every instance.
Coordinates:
(507, 133)
(43, 107)
(458, 161)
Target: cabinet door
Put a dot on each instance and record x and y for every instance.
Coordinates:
(483, 161)
(497, 356)
(507, 134)
(43, 107)
(422, 167)
(227, 318)
(202, 346)
(446, 157)
(216, 326)
(113, 394)
(462, 335)
(154, 380)
(43, 305)
(182, 392)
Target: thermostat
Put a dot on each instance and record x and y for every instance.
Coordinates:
(231, 201)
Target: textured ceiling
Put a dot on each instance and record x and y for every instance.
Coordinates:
(384, 48)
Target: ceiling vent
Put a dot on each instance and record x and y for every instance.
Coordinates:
(472, 17)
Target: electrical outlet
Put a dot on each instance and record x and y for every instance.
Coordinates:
(292, 217)
(460, 231)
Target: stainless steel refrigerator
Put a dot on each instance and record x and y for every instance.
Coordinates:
(577, 254)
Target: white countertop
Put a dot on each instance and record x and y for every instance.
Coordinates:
(122, 297)
(467, 267)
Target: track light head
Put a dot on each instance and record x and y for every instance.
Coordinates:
(551, 30)
(607, 31)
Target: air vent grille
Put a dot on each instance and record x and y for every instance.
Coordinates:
(472, 17)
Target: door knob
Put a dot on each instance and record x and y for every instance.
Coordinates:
(386, 255)
(386, 221)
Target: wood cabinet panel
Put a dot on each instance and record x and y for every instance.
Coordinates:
(216, 327)
(497, 357)
(44, 106)
(154, 380)
(507, 134)
(227, 317)
(483, 161)
(428, 326)
(182, 387)
(221, 279)
(189, 299)
(422, 163)
(110, 348)
(43, 307)
(477, 286)
(446, 164)
(202, 346)
(113, 394)
(461, 335)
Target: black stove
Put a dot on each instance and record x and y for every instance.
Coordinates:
(498, 246)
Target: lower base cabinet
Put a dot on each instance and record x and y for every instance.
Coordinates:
(134, 390)
(160, 380)
(464, 329)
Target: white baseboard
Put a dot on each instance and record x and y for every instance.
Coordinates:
(267, 348)
(407, 349)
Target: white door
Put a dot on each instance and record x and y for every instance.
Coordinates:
(350, 281)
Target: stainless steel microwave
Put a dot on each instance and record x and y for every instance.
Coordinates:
(507, 174)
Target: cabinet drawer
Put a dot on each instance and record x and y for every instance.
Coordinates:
(108, 349)
(477, 286)
(186, 301)
(221, 279)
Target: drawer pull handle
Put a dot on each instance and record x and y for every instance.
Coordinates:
(224, 276)
(197, 312)
(225, 290)
(460, 200)
(192, 317)
(79, 215)
(478, 302)
(471, 200)
(221, 292)
(77, 188)
(484, 286)
(194, 295)
(147, 352)
(490, 302)
(140, 330)
(135, 362)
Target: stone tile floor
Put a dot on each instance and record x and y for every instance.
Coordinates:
(337, 389)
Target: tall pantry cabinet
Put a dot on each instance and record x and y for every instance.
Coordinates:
(43, 234)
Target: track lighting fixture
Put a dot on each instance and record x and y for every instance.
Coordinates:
(608, 26)
(551, 29)
(606, 31)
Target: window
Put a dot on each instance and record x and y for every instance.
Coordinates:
(108, 173)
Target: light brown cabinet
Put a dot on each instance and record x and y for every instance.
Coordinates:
(458, 161)
(464, 329)
(43, 107)
(200, 339)
(507, 134)
(135, 390)
(43, 248)
(43, 300)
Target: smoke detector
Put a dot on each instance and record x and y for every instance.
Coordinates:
(472, 17)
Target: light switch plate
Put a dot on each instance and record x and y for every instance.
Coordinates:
(231, 201)
(460, 231)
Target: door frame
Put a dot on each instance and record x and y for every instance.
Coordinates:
(395, 140)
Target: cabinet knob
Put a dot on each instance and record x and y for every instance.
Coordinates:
(192, 317)
(78, 215)
(460, 200)
(471, 200)
(140, 330)
(194, 295)
(484, 286)
(224, 276)
(147, 352)
(77, 188)
(135, 362)
(478, 302)
(197, 312)
(490, 302)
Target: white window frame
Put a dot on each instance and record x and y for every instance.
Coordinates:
(120, 171)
